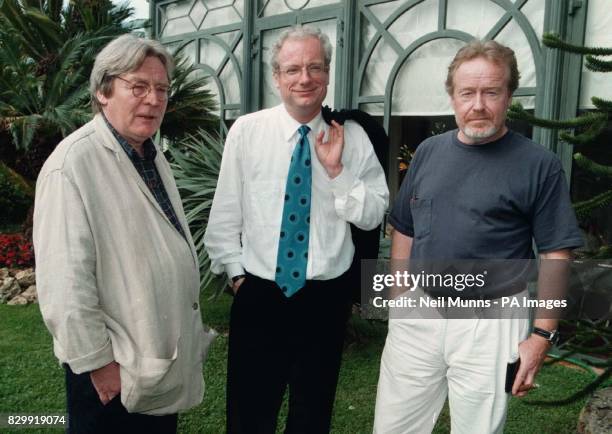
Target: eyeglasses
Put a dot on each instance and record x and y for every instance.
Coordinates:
(141, 90)
(315, 70)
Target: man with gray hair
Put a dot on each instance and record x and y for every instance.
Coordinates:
(479, 192)
(288, 189)
(117, 270)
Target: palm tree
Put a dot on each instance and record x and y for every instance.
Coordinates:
(46, 55)
(46, 58)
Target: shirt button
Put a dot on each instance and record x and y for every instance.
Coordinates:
(195, 306)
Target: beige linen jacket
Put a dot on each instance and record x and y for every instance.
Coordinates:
(116, 280)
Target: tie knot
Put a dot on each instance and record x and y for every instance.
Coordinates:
(304, 129)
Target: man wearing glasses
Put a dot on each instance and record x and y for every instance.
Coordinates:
(288, 189)
(117, 271)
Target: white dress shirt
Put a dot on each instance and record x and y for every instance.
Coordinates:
(244, 224)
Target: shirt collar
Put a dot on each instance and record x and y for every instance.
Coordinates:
(289, 126)
(149, 149)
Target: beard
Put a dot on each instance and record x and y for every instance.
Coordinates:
(478, 134)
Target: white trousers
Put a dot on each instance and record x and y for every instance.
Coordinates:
(425, 360)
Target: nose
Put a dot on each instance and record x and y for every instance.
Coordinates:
(478, 102)
(305, 75)
(153, 98)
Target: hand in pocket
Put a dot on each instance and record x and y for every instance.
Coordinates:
(107, 382)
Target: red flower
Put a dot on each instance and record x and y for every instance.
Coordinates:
(15, 250)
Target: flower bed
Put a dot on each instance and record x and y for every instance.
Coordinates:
(15, 251)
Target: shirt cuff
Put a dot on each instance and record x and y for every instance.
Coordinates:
(342, 184)
(233, 269)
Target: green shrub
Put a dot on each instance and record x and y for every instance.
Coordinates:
(196, 161)
(15, 197)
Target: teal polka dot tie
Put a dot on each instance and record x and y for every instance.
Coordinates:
(295, 227)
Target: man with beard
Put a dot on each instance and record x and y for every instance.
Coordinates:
(479, 192)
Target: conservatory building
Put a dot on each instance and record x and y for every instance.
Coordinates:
(391, 56)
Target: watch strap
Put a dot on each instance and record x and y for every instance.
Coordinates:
(550, 336)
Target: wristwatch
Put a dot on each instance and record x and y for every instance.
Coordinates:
(552, 337)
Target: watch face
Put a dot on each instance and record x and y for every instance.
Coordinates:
(554, 337)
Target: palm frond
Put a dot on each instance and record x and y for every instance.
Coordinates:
(23, 128)
(45, 27)
(196, 162)
(13, 15)
(53, 9)
(72, 69)
(11, 55)
(38, 34)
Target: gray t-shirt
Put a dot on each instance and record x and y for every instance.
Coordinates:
(485, 201)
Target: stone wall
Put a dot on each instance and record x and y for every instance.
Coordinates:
(17, 287)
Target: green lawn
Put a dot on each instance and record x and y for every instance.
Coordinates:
(31, 381)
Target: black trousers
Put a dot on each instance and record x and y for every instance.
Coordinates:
(275, 342)
(87, 414)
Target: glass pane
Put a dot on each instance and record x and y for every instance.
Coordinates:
(211, 86)
(231, 84)
(598, 34)
(277, 7)
(228, 37)
(177, 9)
(239, 6)
(512, 36)
(376, 109)
(238, 54)
(178, 26)
(232, 114)
(188, 50)
(377, 70)
(414, 95)
(197, 14)
(173, 46)
(221, 16)
(211, 53)
(366, 34)
(416, 22)
(382, 11)
(217, 4)
(269, 94)
(475, 17)
(534, 12)
(527, 102)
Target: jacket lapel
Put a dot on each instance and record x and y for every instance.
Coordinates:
(109, 141)
(125, 164)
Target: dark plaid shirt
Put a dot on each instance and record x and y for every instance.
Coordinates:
(149, 174)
